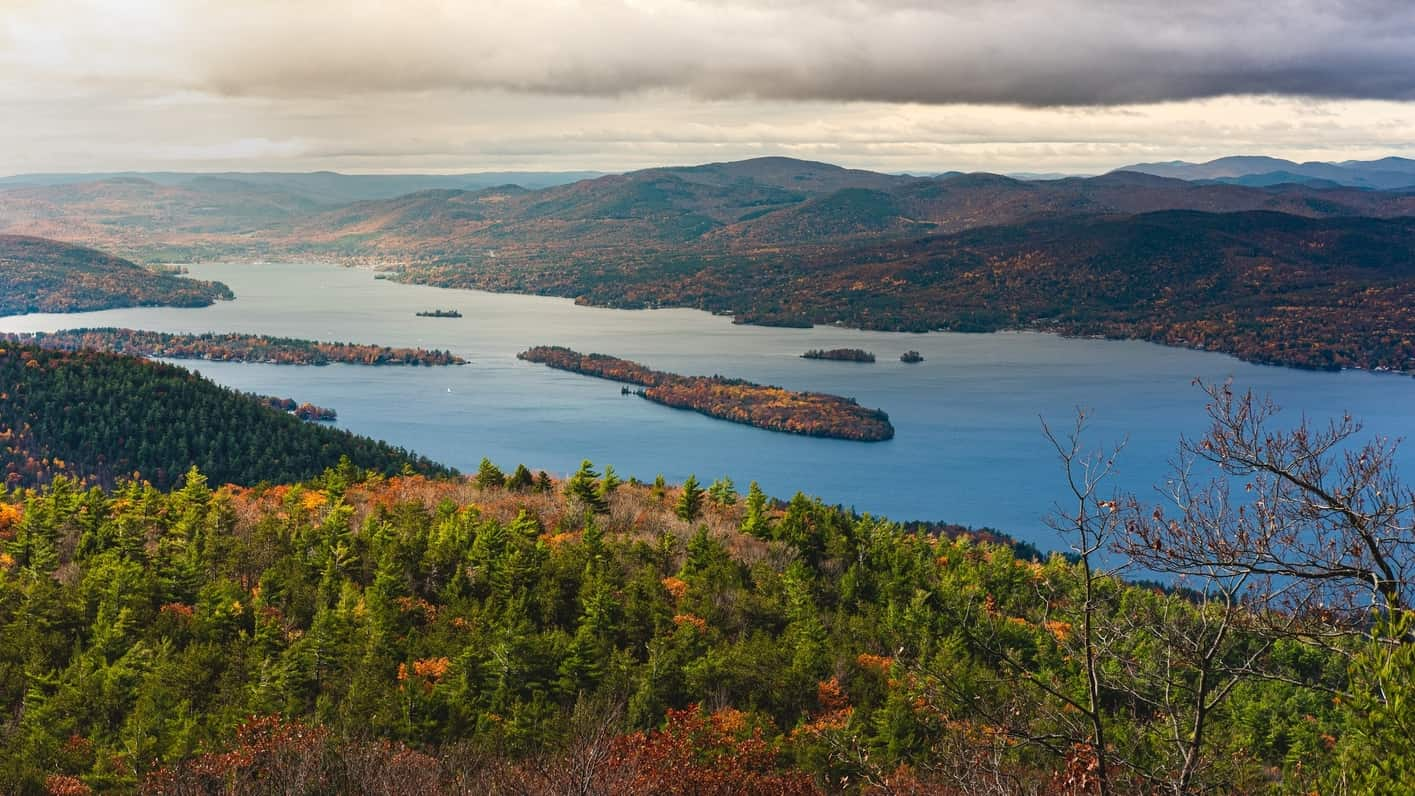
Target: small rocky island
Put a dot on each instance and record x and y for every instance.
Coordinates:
(911, 357)
(840, 355)
(439, 314)
(773, 408)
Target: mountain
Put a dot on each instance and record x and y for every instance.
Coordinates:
(39, 275)
(101, 417)
(765, 202)
(319, 187)
(1391, 173)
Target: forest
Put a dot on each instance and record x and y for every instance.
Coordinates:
(513, 633)
(40, 275)
(771, 408)
(230, 347)
(100, 418)
(1272, 288)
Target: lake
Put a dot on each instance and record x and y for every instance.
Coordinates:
(968, 447)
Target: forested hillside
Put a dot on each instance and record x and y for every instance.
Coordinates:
(1267, 287)
(101, 417)
(514, 634)
(38, 275)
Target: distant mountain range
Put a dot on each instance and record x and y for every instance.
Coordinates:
(320, 187)
(1386, 174)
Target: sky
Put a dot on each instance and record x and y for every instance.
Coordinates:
(1041, 86)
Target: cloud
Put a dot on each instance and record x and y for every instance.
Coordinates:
(1023, 52)
(917, 85)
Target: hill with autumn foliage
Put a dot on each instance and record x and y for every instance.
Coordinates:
(39, 275)
(100, 417)
(518, 634)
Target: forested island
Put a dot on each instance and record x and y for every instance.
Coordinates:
(101, 417)
(840, 354)
(772, 408)
(911, 357)
(40, 275)
(439, 314)
(231, 347)
(304, 411)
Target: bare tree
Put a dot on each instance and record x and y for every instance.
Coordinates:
(1325, 528)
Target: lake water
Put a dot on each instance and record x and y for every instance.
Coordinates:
(968, 445)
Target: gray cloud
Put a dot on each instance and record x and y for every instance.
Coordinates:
(1025, 52)
(438, 85)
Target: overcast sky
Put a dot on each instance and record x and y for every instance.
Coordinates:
(899, 85)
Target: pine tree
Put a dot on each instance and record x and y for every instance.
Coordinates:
(690, 502)
(723, 492)
(520, 480)
(756, 522)
(544, 483)
(584, 486)
(489, 476)
(609, 482)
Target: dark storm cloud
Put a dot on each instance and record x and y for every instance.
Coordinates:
(1026, 52)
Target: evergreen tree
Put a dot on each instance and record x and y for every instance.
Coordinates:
(609, 482)
(690, 501)
(723, 492)
(489, 476)
(520, 480)
(584, 487)
(756, 522)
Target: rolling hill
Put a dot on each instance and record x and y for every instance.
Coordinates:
(101, 417)
(39, 275)
(1268, 287)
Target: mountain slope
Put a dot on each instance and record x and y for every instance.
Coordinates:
(104, 416)
(1268, 287)
(38, 275)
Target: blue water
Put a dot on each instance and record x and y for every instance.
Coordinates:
(968, 445)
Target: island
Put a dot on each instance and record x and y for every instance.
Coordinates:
(304, 411)
(771, 408)
(439, 314)
(840, 355)
(911, 356)
(230, 347)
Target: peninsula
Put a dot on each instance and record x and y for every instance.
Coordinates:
(772, 408)
(231, 347)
